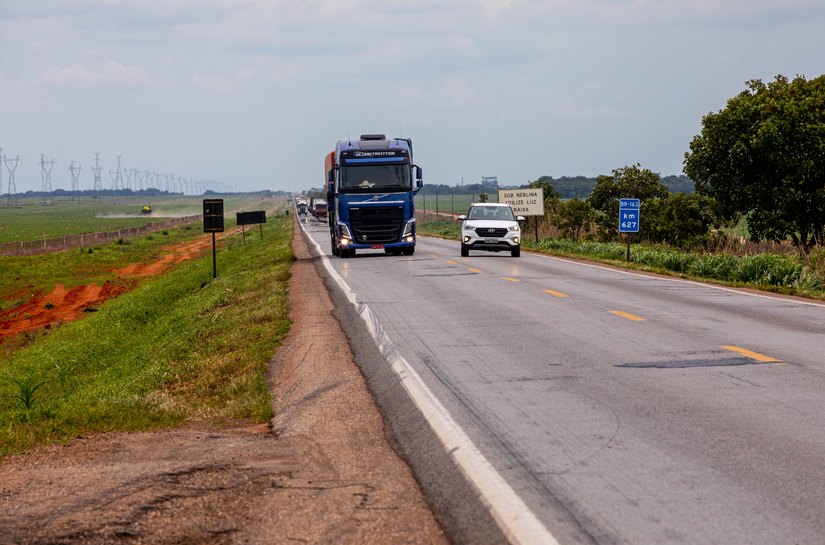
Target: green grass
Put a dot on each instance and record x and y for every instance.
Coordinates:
(179, 348)
(457, 204)
(33, 221)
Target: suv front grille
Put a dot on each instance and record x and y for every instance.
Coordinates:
(491, 232)
(376, 224)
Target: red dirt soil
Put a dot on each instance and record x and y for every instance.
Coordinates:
(62, 305)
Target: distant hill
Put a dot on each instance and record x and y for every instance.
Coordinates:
(579, 187)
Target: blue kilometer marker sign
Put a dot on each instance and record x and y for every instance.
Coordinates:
(628, 215)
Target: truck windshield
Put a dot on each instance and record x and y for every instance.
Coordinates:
(372, 178)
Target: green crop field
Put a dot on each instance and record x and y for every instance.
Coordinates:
(446, 204)
(32, 220)
(179, 347)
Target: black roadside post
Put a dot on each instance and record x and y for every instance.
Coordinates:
(213, 223)
(251, 218)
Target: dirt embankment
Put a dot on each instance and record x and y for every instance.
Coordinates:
(326, 474)
(64, 305)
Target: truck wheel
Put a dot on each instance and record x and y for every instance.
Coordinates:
(465, 252)
(335, 249)
(409, 251)
(515, 252)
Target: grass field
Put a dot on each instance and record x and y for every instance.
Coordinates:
(180, 347)
(32, 220)
(446, 204)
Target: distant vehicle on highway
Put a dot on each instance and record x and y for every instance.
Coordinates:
(492, 227)
(146, 209)
(302, 208)
(319, 208)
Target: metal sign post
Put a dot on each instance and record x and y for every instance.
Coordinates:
(628, 220)
(213, 223)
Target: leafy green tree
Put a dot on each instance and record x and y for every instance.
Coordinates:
(763, 155)
(574, 217)
(629, 182)
(684, 220)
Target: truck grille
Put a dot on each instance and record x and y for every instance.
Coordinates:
(377, 225)
(491, 232)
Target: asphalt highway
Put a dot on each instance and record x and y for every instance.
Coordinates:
(622, 408)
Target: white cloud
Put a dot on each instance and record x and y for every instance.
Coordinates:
(111, 74)
(220, 84)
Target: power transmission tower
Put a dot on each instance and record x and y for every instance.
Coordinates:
(1, 170)
(129, 173)
(75, 173)
(46, 179)
(117, 176)
(11, 196)
(97, 169)
(140, 175)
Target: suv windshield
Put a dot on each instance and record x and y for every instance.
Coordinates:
(372, 178)
(503, 213)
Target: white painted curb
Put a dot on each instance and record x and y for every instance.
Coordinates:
(512, 515)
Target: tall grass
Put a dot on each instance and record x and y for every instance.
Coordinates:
(180, 348)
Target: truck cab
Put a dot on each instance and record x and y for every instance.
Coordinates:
(371, 184)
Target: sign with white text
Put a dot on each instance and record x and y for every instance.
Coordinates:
(525, 202)
(628, 215)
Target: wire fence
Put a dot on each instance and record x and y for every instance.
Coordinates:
(65, 242)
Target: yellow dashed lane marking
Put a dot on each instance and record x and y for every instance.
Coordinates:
(751, 354)
(451, 262)
(474, 270)
(556, 293)
(627, 315)
(507, 278)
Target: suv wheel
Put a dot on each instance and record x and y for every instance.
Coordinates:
(515, 252)
(465, 252)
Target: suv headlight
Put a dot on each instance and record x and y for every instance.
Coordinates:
(468, 227)
(514, 228)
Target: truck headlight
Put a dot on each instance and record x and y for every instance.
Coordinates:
(408, 229)
(344, 231)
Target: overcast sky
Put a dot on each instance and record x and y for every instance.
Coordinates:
(254, 93)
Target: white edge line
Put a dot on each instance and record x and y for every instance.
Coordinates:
(778, 297)
(515, 519)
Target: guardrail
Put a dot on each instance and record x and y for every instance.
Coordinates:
(65, 242)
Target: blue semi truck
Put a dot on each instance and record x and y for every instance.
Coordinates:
(371, 183)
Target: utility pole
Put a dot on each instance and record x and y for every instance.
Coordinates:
(11, 197)
(46, 179)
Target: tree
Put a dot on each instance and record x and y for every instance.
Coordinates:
(629, 182)
(574, 217)
(763, 155)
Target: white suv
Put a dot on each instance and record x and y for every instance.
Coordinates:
(492, 227)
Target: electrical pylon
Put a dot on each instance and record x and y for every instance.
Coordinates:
(97, 169)
(46, 179)
(75, 173)
(11, 196)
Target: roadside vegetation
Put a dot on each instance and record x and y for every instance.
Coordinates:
(180, 348)
(756, 217)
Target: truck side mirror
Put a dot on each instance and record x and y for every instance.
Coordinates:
(419, 183)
